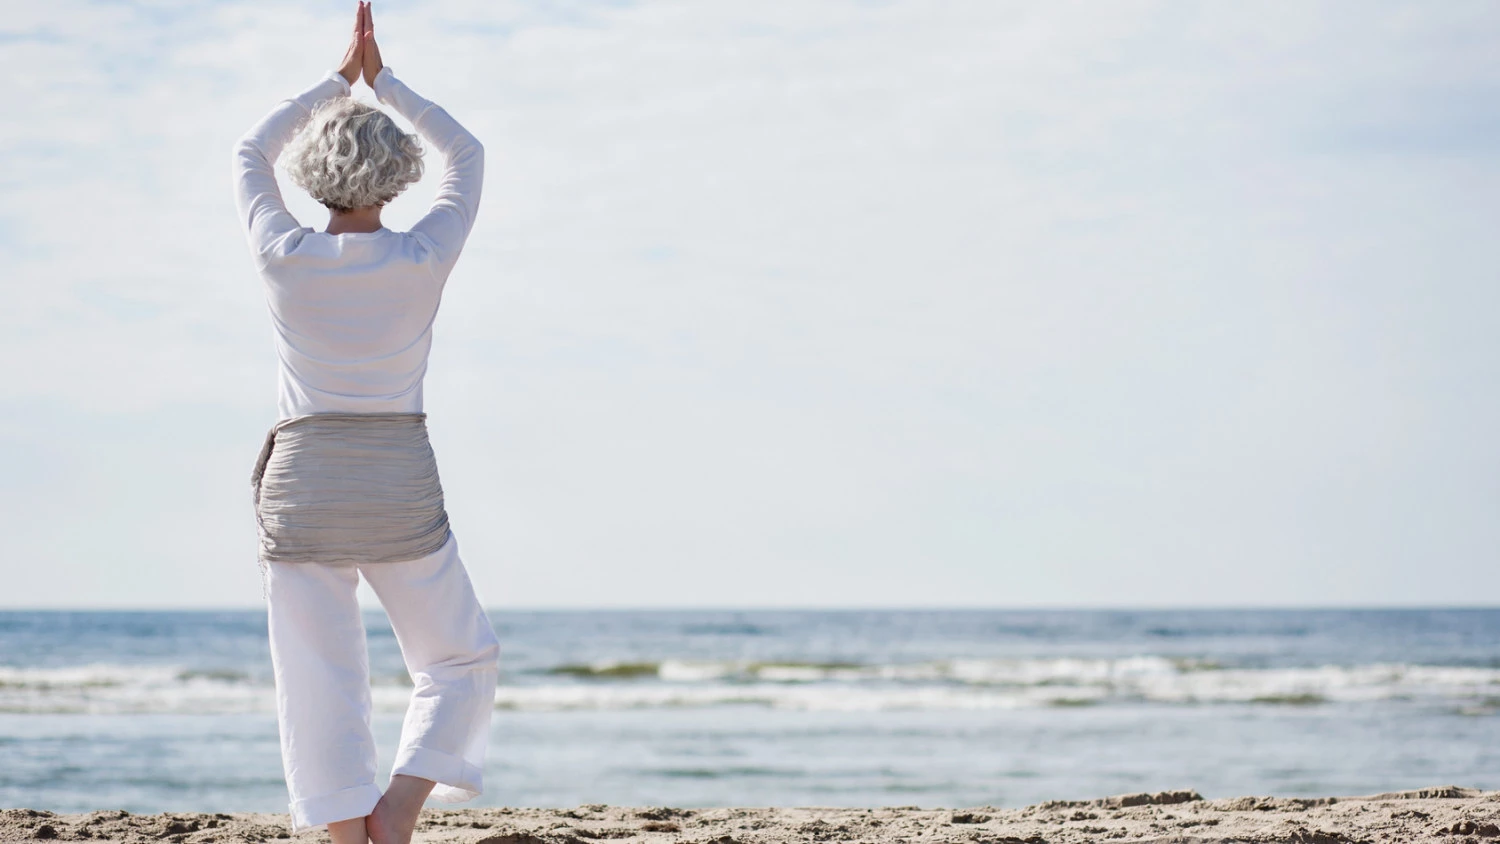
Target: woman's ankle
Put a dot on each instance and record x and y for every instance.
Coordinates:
(410, 785)
(395, 817)
(351, 831)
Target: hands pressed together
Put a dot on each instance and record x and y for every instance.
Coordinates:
(364, 53)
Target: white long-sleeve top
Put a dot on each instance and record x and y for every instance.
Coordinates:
(353, 312)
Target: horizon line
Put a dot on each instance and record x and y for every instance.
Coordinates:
(816, 608)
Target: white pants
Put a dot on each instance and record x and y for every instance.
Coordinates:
(323, 681)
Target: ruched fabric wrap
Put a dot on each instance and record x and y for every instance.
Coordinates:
(347, 488)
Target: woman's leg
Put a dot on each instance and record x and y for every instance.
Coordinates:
(452, 654)
(322, 693)
(352, 831)
(395, 817)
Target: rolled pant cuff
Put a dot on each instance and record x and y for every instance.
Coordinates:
(343, 805)
(457, 780)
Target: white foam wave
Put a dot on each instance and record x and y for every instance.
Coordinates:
(103, 688)
(945, 684)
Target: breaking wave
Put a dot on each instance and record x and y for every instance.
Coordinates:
(970, 684)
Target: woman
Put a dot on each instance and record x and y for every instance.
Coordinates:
(346, 483)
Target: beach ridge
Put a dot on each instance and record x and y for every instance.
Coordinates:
(1446, 813)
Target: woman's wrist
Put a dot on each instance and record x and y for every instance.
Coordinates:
(339, 77)
(381, 83)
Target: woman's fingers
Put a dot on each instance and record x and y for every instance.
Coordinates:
(354, 57)
(372, 63)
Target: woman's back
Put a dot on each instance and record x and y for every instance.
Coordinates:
(353, 318)
(353, 312)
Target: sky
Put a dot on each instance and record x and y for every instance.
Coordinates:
(800, 303)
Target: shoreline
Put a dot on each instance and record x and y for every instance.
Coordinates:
(1440, 813)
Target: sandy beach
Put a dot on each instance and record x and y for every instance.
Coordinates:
(1446, 813)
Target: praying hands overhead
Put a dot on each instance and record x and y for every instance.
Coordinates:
(363, 55)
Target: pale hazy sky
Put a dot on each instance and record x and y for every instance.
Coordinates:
(801, 303)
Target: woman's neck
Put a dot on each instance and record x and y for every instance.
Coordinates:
(358, 220)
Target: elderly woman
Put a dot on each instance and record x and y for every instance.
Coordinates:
(346, 483)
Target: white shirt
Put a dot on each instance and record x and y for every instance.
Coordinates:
(353, 312)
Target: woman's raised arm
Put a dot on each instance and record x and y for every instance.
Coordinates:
(257, 197)
(263, 214)
(446, 225)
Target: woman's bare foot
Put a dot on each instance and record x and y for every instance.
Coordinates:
(351, 831)
(395, 816)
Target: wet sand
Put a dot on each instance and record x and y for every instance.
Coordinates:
(1448, 814)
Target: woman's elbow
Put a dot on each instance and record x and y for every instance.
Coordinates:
(245, 149)
(467, 156)
(473, 147)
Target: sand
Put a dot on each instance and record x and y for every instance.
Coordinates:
(1447, 814)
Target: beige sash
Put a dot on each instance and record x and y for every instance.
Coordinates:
(348, 488)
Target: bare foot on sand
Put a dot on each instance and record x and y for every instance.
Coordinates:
(395, 816)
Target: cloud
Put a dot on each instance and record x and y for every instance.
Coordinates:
(811, 303)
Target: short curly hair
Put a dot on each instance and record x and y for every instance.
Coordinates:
(351, 155)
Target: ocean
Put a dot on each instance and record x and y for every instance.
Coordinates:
(174, 711)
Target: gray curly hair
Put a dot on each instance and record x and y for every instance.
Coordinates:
(351, 155)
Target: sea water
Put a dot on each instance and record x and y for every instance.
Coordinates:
(175, 711)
